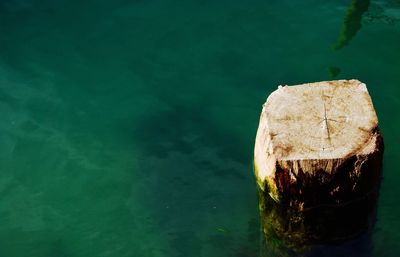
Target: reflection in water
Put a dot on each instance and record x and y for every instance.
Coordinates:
(352, 22)
(288, 232)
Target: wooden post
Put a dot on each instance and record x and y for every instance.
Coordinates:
(317, 156)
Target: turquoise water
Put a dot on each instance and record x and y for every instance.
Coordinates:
(127, 127)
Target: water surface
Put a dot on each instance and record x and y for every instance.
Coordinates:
(127, 127)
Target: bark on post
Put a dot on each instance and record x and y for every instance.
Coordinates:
(318, 155)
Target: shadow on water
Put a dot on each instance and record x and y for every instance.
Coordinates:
(352, 22)
(197, 164)
(185, 128)
(360, 245)
(321, 232)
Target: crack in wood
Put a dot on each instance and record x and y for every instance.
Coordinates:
(325, 119)
(326, 123)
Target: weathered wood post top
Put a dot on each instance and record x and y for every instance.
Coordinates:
(318, 143)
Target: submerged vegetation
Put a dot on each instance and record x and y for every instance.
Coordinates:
(333, 71)
(351, 23)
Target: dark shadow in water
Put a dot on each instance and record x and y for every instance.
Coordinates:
(359, 247)
(193, 186)
(358, 244)
(351, 23)
(333, 72)
(184, 128)
(320, 232)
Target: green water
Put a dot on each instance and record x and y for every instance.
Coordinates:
(127, 127)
